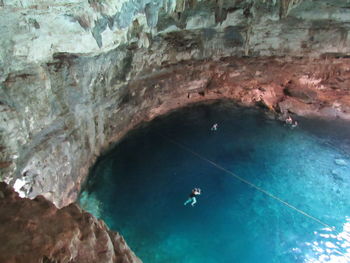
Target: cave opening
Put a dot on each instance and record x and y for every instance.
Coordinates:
(140, 186)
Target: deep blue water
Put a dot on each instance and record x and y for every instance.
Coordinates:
(139, 188)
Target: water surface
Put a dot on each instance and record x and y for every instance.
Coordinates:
(139, 188)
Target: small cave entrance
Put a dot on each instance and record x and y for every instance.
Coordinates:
(140, 186)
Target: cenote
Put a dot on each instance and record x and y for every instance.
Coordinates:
(139, 188)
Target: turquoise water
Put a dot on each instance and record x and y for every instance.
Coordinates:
(139, 189)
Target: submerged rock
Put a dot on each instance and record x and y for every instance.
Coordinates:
(340, 162)
(37, 231)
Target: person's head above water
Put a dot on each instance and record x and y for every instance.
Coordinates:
(197, 191)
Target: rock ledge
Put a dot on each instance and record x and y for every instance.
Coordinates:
(34, 231)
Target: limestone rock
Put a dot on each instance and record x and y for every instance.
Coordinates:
(76, 75)
(35, 231)
(305, 94)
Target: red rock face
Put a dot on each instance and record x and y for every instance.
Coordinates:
(306, 87)
(36, 231)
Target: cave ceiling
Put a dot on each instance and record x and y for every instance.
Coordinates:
(34, 30)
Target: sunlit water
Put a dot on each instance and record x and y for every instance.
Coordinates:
(139, 189)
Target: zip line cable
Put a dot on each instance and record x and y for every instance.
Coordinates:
(247, 182)
(256, 187)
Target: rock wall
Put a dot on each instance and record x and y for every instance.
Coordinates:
(54, 116)
(76, 75)
(65, 127)
(34, 30)
(34, 231)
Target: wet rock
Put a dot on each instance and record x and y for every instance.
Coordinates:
(35, 231)
(336, 175)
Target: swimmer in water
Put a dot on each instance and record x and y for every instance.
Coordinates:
(214, 127)
(192, 198)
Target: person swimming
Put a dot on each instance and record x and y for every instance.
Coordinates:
(192, 198)
(289, 120)
(214, 127)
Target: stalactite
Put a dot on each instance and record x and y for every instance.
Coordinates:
(286, 6)
(220, 4)
(249, 15)
(171, 6)
(247, 40)
(180, 6)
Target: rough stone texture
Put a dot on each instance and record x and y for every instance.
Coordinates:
(54, 117)
(33, 231)
(307, 87)
(33, 30)
(83, 111)
(76, 75)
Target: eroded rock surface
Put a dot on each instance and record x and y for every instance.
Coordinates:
(83, 104)
(76, 75)
(34, 231)
(32, 30)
